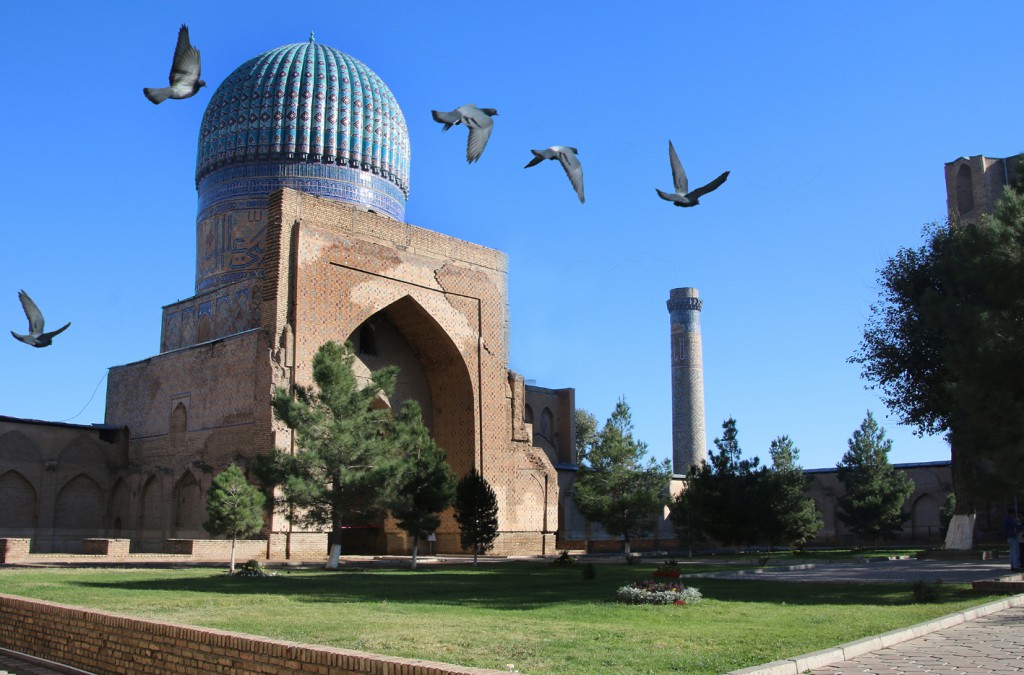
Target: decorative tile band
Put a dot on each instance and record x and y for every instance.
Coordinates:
(340, 183)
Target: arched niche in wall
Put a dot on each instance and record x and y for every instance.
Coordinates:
(151, 516)
(18, 505)
(189, 507)
(432, 371)
(119, 509)
(79, 506)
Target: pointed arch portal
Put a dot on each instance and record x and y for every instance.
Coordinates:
(407, 335)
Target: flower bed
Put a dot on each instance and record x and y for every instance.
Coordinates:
(653, 592)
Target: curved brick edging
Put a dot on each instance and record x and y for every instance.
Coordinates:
(850, 650)
(104, 642)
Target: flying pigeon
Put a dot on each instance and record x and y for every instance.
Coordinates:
(477, 120)
(36, 337)
(184, 76)
(571, 164)
(682, 197)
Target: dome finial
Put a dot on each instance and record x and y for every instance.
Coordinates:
(311, 36)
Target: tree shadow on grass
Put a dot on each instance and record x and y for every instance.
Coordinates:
(514, 587)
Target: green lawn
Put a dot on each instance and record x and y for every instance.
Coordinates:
(543, 619)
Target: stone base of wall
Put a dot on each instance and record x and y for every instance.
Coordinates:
(12, 549)
(109, 547)
(103, 642)
(217, 549)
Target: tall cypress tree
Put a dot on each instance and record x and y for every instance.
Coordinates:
(476, 510)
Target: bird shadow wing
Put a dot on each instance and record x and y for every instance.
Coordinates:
(479, 133)
(710, 187)
(574, 170)
(35, 317)
(186, 65)
(678, 175)
(56, 332)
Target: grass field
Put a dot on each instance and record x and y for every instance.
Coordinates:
(540, 618)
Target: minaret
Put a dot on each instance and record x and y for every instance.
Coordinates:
(689, 443)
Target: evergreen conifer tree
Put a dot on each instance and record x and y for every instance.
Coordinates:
(420, 484)
(337, 477)
(615, 487)
(234, 507)
(793, 518)
(872, 506)
(476, 510)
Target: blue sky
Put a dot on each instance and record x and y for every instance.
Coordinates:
(835, 120)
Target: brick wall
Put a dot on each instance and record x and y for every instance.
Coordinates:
(111, 547)
(14, 549)
(217, 549)
(103, 642)
(297, 546)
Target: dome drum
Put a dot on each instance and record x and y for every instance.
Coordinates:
(303, 116)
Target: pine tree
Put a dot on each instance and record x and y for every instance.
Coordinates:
(875, 492)
(420, 484)
(234, 507)
(794, 518)
(476, 510)
(684, 511)
(341, 431)
(725, 495)
(614, 487)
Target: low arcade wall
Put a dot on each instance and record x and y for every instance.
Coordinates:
(103, 642)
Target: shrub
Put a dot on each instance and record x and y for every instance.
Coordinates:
(926, 592)
(253, 568)
(652, 592)
(564, 560)
(670, 570)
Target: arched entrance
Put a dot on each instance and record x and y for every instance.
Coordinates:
(434, 373)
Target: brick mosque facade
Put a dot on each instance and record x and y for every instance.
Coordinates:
(279, 273)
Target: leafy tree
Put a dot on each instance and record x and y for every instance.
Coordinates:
(792, 518)
(875, 492)
(943, 346)
(235, 507)
(586, 432)
(725, 494)
(342, 433)
(614, 486)
(420, 484)
(476, 510)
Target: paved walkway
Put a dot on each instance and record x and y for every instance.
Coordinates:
(13, 663)
(986, 640)
(990, 644)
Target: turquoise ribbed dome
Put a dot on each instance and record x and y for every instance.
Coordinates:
(306, 116)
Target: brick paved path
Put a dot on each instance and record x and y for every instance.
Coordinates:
(10, 664)
(989, 644)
